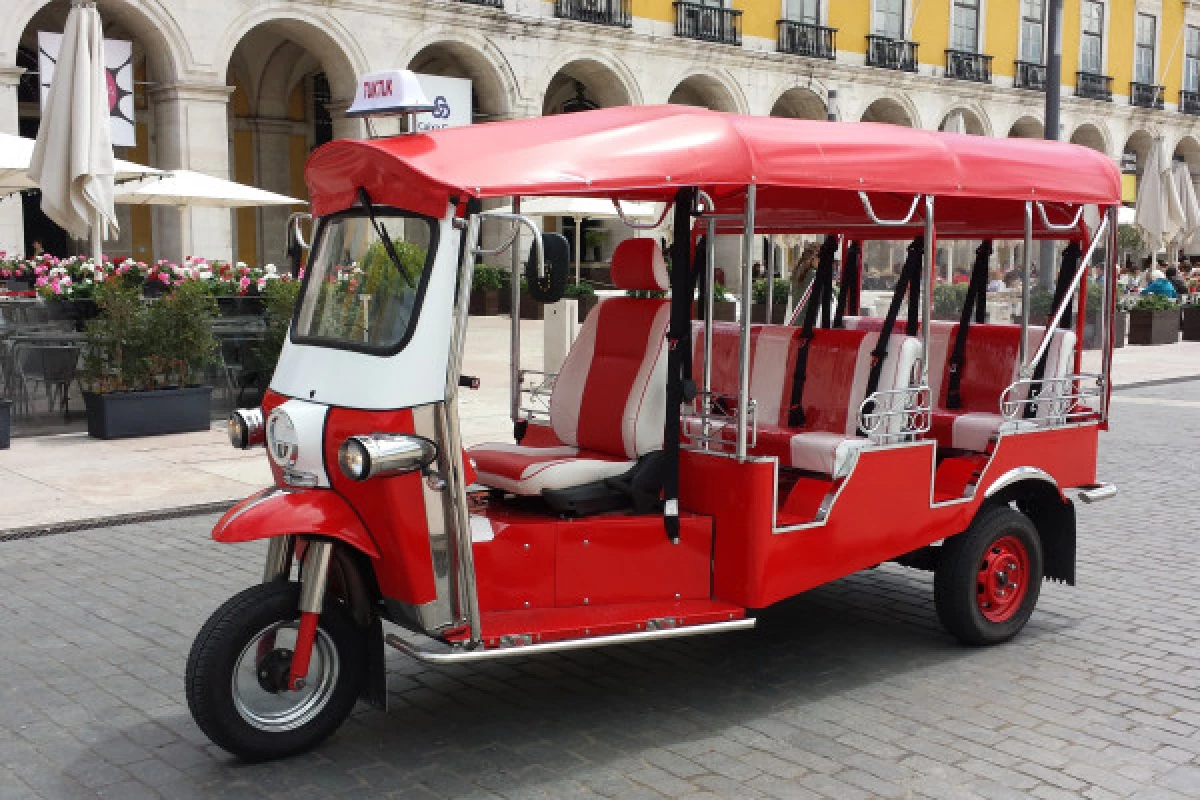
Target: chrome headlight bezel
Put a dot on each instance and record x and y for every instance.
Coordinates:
(246, 428)
(384, 454)
(283, 440)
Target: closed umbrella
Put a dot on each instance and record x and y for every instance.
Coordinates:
(1159, 215)
(72, 161)
(955, 123)
(1186, 190)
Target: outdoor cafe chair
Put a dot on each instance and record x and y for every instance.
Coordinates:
(51, 365)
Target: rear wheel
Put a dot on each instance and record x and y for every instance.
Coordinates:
(989, 576)
(238, 669)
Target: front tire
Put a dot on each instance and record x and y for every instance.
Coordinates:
(988, 577)
(239, 663)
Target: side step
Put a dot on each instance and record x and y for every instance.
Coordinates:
(434, 651)
(1098, 492)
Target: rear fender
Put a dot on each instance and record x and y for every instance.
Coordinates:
(1038, 497)
(286, 512)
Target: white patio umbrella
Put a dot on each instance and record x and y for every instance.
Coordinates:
(183, 188)
(1159, 215)
(955, 123)
(581, 208)
(72, 161)
(1186, 190)
(15, 155)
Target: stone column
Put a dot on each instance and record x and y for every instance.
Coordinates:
(272, 158)
(12, 226)
(192, 132)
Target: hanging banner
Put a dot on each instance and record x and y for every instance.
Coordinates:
(451, 98)
(118, 63)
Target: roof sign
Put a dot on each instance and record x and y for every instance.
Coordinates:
(391, 92)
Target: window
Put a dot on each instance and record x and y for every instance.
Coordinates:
(889, 18)
(1191, 59)
(1033, 30)
(807, 12)
(964, 34)
(359, 293)
(1143, 53)
(1091, 45)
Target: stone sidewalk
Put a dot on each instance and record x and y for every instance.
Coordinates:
(70, 478)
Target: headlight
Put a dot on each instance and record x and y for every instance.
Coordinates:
(282, 441)
(383, 454)
(246, 428)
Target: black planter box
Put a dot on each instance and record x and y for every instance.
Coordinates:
(1154, 327)
(484, 302)
(18, 284)
(77, 311)
(5, 423)
(531, 309)
(1191, 323)
(239, 306)
(118, 415)
(586, 304)
(758, 313)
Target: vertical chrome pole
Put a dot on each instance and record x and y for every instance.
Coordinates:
(1026, 270)
(279, 559)
(927, 295)
(455, 480)
(514, 361)
(770, 278)
(744, 341)
(710, 271)
(1106, 323)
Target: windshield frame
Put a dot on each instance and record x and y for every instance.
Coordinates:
(382, 213)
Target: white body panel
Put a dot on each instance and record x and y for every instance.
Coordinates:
(413, 377)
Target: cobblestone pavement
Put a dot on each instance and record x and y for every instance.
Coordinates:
(850, 691)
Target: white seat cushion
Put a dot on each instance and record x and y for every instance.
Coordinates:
(529, 470)
(828, 453)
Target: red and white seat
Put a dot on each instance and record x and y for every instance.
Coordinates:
(608, 406)
(838, 368)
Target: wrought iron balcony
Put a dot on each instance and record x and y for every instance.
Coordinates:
(1093, 86)
(1146, 95)
(889, 53)
(964, 65)
(1189, 102)
(814, 41)
(600, 12)
(708, 23)
(1029, 76)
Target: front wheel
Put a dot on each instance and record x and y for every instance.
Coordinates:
(238, 668)
(988, 577)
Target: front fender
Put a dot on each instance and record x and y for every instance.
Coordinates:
(283, 512)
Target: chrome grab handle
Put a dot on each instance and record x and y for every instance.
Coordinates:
(640, 226)
(866, 201)
(891, 416)
(294, 230)
(1050, 226)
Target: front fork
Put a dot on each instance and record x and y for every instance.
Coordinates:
(314, 576)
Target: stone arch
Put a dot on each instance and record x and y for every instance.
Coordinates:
(1188, 148)
(494, 92)
(799, 103)
(1091, 135)
(1139, 143)
(708, 90)
(606, 82)
(892, 110)
(1027, 127)
(975, 120)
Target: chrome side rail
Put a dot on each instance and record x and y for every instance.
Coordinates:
(896, 415)
(535, 394)
(1055, 401)
(704, 429)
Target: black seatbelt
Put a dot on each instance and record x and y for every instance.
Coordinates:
(851, 281)
(909, 283)
(680, 387)
(818, 300)
(975, 306)
(1066, 274)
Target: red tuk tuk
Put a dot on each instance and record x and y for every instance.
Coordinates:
(677, 473)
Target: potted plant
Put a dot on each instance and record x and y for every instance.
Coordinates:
(724, 307)
(486, 288)
(593, 244)
(758, 310)
(1153, 319)
(1191, 322)
(585, 296)
(144, 362)
(237, 287)
(948, 299)
(16, 273)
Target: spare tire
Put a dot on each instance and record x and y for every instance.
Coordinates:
(549, 288)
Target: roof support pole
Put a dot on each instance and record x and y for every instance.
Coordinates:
(927, 294)
(1026, 276)
(514, 361)
(744, 341)
(770, 278)
(710, 258)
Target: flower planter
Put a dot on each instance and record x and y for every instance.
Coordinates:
(118, 415)
(5, 423)
(484, 302)
(758, 313)
(17, 285)
(531, 309)
(586, 304)
(154, 289)
(1154, 327)
(1191, 323)
(241, 306)
(724, 311)
(77, 311)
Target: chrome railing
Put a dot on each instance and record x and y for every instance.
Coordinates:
(708, 23)
(1029, 75)
(964, 65)
(802, 39)
(1052, 402)
(1146, 95)
(600, 12)
(889, 53)
(535, 390)
(896, 415)
(709, 424)
(1093, 86)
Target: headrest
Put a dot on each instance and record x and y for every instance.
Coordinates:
(639, 264)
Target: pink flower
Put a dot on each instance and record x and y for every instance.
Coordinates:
(41, 281)
(57, 289)
(243, 284)
(165, 278)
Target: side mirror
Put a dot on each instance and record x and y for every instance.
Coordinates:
(295, 242)
(550, 286)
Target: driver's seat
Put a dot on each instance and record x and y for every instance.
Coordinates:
(608, 406)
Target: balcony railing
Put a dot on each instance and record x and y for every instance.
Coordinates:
(814, 41)
(967, 66)
(889, 53)
(1189, 102)
(1146, 95)
(1093, 86)
(1029, 76)
(600, 12)
(708, 23)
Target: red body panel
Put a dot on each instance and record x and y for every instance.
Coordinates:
(276, 512)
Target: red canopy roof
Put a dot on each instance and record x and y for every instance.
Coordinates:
(649, 152)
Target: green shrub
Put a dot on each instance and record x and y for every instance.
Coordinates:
(948, 300)
(280, 297)
(580, 290)
(489, 278)
(759, 291)
(1154, 302)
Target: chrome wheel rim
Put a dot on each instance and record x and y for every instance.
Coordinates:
(284, 710)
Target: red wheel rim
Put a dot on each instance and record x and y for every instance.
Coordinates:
(1003, 579)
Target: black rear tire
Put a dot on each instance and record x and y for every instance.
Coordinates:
(988, 577)
(213, 693)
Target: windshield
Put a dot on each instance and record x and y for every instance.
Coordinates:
(363, 291)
